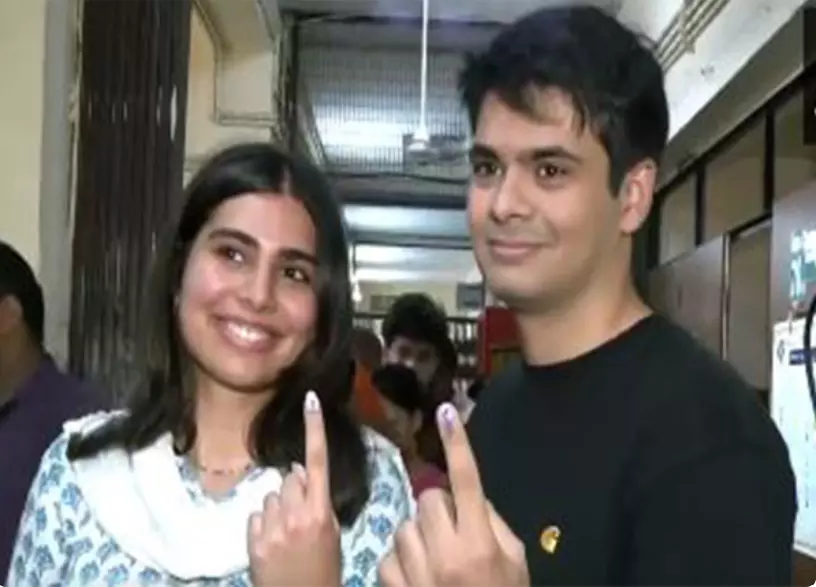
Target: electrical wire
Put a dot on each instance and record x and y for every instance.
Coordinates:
(808, 354)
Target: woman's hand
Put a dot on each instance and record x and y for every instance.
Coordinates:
(295, 541)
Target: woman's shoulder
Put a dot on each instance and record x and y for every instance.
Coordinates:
(389, 483)
(390, 503)
(385, 459)
(55, 471)
(90, 423)
(378, 445)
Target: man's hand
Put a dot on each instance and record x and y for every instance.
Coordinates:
(456, 540)
(295, 541)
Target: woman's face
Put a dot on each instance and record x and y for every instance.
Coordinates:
(247, 306)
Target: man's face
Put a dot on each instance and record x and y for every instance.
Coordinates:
(420, 356)
(543, 221)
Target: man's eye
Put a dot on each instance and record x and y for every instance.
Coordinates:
(485, 169)
(549, 171)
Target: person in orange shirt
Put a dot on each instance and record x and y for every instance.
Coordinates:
(366, 404)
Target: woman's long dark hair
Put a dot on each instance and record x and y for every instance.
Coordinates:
(163, 403)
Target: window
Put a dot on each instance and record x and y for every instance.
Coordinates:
(677, 221)
(734, 184)
(795, 162)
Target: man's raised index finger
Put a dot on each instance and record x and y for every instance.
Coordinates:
(317, 457)
(463, 472)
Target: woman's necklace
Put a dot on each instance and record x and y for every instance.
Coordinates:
(221, 471)
(225, 471)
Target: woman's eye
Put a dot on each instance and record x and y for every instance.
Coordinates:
(297, 274)
(231, 254)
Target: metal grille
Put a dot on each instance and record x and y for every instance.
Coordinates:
(364, 101)
(133, 99)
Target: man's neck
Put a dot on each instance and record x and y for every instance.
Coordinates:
(17, 365)
(577, 328)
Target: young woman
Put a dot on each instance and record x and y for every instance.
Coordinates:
(216, 467)
(406, 409)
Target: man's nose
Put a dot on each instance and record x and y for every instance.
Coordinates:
(508, 199)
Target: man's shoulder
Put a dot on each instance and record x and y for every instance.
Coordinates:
(691, 404)
(680, 370)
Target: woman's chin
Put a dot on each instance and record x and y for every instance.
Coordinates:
(244, 379)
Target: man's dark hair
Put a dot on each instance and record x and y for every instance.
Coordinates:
(417, 317)
(610, 73)
(17, 280)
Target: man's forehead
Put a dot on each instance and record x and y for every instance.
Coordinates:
(543, 112)
(514, 138)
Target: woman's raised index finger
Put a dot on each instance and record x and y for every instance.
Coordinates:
(317, 453)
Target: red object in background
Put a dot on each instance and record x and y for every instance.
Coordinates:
(498, 340)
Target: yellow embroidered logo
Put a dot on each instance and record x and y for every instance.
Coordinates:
(549, 539)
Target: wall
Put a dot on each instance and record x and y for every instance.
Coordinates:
(22, 53)
(204, 135)
(37, 52)
(770, 69)
(737, 176)
(733, 192)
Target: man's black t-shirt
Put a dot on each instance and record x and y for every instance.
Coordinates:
(647, 461)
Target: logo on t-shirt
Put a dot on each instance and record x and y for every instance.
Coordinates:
(550, 536)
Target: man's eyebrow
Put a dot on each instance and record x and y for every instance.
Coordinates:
(482, 151)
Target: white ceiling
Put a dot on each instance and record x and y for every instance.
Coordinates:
(398, 220)
(461, 10)
(382, 263)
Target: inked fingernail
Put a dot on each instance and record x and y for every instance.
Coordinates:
(312, 403)
(446, 414)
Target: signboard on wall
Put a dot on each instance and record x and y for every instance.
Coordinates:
(802, 265)
(792, 412)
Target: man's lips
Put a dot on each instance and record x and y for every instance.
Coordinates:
(512, 251)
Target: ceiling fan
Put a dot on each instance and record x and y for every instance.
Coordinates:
(421, 148)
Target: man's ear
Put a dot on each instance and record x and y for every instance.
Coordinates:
(636, 196)
(10, 313)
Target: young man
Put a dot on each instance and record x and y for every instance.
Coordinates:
(620, 452)
(35, 397)
(415, 332)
